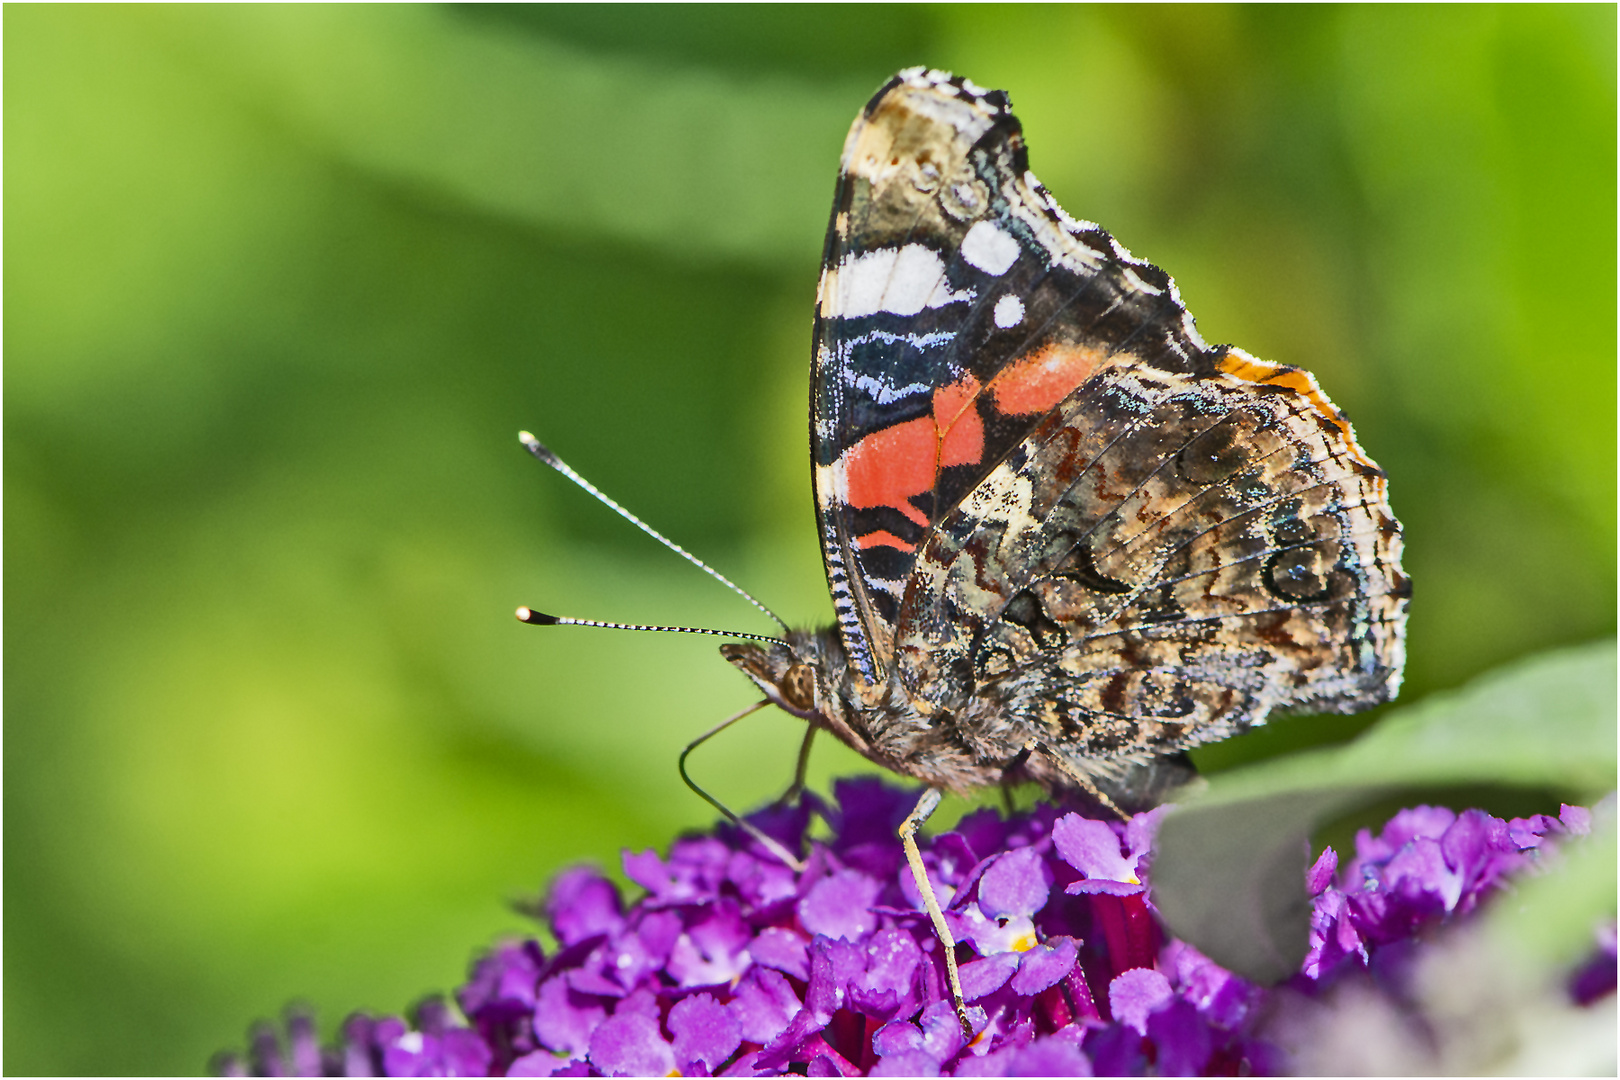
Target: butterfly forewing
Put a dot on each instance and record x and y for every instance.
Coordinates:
(958, 306)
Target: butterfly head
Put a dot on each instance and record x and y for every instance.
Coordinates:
(790, 675)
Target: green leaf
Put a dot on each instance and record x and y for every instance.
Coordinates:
(1229, 875)
(1550, 920)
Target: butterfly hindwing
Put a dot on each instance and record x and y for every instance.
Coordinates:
(1168, 560)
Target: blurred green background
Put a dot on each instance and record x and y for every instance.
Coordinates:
(283, 283)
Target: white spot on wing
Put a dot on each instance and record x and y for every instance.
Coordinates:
(901, 281)
(989, 248)
(882, 393)
(832, 483)
(1009, 311)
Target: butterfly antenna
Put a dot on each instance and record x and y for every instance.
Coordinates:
(540, 451)
(540, 618)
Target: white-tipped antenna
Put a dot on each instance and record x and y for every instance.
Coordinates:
(539, 450)
(540, 618)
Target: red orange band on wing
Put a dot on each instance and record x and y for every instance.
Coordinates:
(883, 538)
(890, 466)
(961, 432)
(1039, 380)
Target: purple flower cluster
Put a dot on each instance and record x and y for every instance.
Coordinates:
(1427, 863)
(733, 964)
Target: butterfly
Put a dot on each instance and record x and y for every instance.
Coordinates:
(1064, 536)
(1066, 539)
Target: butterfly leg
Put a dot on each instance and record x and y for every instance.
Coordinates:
(1009, 771)
(908, 836)
(803, 766)
(1084, 782)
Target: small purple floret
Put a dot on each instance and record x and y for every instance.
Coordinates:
(630, 1044)
(985, 976)
(1017, 883)
(1045, 965)
(706, 1032)
(582, 903)
(564, 1018)
(1320, 875)
(840, 905)
(1135, 994)
(1094, 849)
(733, 964)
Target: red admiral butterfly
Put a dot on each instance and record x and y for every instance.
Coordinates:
(1060, 530)
(1065, 537)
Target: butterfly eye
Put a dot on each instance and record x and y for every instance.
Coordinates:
(799, 687)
